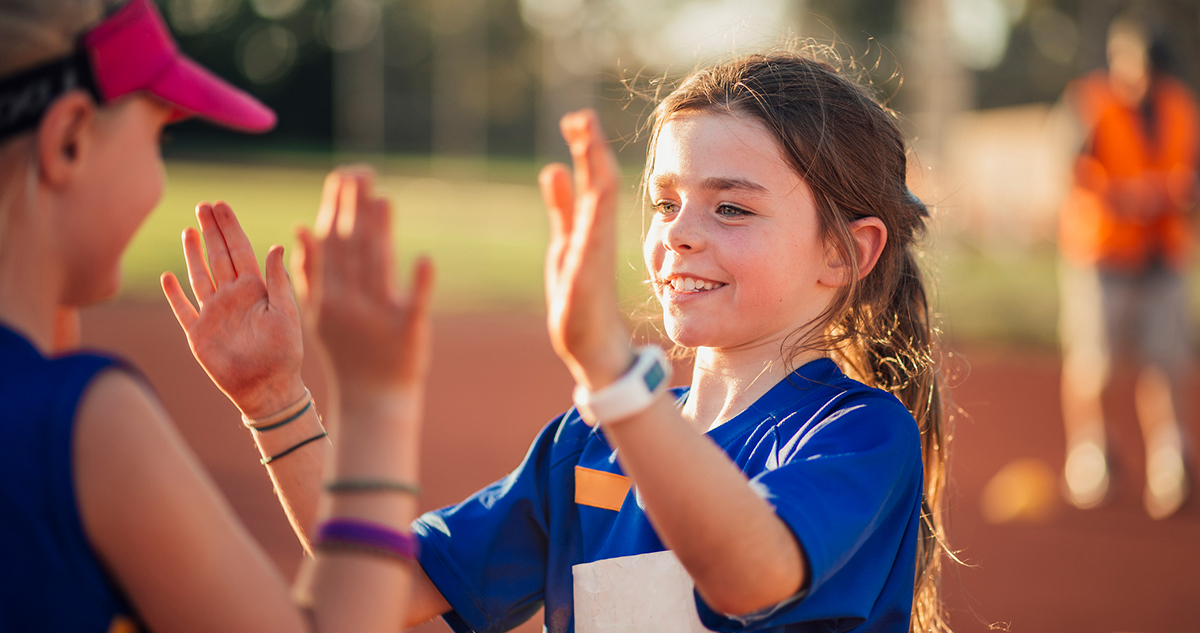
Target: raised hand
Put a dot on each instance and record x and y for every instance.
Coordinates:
(581, 297)
(377, 338)
(246, 333)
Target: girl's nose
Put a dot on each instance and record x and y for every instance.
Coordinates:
(684, 232)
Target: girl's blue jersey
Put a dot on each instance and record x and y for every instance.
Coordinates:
(52, 580)
(840, 463)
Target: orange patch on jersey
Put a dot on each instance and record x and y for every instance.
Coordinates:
(122, 624)
(599, 489)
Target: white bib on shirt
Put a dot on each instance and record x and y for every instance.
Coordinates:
(647, 593)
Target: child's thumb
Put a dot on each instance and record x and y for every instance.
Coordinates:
(279, 288)
(305, 274)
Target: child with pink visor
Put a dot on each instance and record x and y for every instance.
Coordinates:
(109, 522)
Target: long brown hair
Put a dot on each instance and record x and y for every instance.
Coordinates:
(850, 151)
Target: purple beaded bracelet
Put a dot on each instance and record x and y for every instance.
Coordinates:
(342, 533)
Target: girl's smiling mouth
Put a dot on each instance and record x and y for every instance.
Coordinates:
(687, 284)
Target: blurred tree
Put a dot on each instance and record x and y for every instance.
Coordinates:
(359, 81)
(408, 59)
(275, 49)
(1055, 40)
(475, 76)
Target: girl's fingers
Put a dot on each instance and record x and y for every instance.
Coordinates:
(184, 311)
(353, 232)
(352, 196)
(574, 128)
(354, 214)
(333, 246)
(219, 263)
(241, 253)
(198, 275)
(279, 290)
(595, 181)
(595, 167)
(422, 288)
(373, 233)
(559, 197)
(555, 183)
(418, 321)
(305, 266)
(330, 194)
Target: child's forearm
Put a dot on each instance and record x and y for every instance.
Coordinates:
(297, 475)
(379, 443)
(739, 553)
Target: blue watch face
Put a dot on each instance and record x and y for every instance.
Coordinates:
(654, 376)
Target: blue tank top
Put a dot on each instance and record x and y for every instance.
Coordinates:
(50, 579)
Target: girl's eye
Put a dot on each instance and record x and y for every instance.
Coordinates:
(665, 206)
(730, 211)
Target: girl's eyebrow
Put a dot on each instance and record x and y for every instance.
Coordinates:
(715, 183)
(726, 184)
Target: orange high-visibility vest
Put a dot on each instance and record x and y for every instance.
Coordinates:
(1093, 230)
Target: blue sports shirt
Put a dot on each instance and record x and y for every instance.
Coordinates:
(51, 580)
(840, 463)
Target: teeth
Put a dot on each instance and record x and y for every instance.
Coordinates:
(689, 284)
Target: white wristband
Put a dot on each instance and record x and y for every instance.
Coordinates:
(631, 393)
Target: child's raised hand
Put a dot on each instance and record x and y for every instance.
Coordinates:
(581, 297)
(247, 333)
(377, 338)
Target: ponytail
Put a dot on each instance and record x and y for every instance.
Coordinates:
(885, 338)
(900, 360)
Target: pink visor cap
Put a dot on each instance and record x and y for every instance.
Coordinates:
(130, 51)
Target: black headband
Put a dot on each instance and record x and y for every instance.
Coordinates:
(25, 97)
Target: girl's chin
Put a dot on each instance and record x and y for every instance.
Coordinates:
(95, 291)
(684, 336)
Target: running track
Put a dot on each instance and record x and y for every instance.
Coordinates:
(495, 382)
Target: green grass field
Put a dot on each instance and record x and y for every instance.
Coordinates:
(487, 236)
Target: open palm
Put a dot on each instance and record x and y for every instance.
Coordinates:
(376, 337)
(585, 326)
(246, 333)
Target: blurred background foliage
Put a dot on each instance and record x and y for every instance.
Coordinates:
(1015, 51)
(456, 102)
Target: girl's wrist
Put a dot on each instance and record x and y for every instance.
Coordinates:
(382, 452)
(605, 366)
(266, 401)
(374, 407)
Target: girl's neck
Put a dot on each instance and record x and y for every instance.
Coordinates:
(725, 382)
(30, 280)
(32, 319)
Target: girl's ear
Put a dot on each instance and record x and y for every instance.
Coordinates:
(868, 236)
(62, 137)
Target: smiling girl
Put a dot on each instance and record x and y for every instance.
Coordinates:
(798, 479)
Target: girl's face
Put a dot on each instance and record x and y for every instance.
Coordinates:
(120, 182)
(734, 248)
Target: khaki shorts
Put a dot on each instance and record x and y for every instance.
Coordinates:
(1102, 314)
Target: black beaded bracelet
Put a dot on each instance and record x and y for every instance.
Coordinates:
(267, 460)
(372, 485)
(294, 416)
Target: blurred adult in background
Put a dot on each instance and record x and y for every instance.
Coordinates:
(1125, 237)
